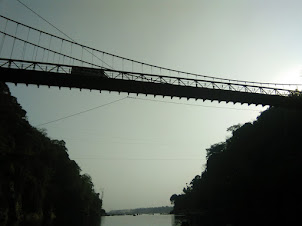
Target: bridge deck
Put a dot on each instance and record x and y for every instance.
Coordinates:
(142, 87)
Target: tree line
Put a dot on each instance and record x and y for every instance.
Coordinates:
(39, 184)
(150, 210)
(253, 177)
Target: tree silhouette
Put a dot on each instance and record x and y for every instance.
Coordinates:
(252, 177)
(39, 184)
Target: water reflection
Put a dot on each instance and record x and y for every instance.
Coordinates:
(179, 221)
(144, 220)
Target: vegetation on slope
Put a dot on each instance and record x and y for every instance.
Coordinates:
(39, 184)
(254, 176)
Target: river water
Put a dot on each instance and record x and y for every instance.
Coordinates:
(140, 220)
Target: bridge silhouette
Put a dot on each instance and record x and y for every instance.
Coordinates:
(32, 56)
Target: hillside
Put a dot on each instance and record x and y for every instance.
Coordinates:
(252, 177)
(39, 184)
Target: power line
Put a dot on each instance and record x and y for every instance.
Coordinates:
(81, 112)
(196, 105)
(45, 20)
(161, 101)
(59, 30)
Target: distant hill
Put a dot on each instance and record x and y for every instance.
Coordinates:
(151, 210)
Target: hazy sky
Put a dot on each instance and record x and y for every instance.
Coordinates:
(141, 151)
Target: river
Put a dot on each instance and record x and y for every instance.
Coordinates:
(140, 220)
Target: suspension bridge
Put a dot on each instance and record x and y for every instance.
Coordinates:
(32, 56)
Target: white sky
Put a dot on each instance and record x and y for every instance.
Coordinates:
(140, 152)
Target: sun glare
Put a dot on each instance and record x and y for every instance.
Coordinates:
(292, 76)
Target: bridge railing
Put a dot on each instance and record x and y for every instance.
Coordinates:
(36, 66)
(144, 77)
(199, 83)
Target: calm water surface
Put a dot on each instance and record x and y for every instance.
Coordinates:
(140, 220)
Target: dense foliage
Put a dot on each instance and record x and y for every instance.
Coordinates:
(39, 184)
(252, 177)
